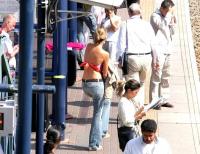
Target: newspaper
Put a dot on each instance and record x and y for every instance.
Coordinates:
(155, 102)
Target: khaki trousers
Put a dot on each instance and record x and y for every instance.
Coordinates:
(139, 67)
(160, 78)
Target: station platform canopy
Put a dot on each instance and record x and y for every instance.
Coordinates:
(101, 3)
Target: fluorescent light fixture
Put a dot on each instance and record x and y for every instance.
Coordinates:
(101, 3)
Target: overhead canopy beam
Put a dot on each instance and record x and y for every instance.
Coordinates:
(101, 3)
(35, 88)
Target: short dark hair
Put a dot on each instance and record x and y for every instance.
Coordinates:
(53, 137)
(53, 134)
(149, 125)
(172, 3)
(166, 4)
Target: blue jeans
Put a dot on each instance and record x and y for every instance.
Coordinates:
(96, 91)
(81, 39)
(105, 115)
(108, 94)
(90, 21)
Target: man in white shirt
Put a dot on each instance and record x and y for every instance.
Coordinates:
(9, 50)
(161, 21)
(112, 24)
(148, 143)
(137, 38)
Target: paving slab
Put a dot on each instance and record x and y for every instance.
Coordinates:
(180, 125)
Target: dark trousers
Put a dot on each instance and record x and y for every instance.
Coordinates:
(124, 135)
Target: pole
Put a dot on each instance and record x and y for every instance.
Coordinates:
(23, 132)
(40, 76)
(73, 23)
(61, 69)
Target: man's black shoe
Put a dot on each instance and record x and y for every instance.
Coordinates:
(158, 107)
(167, 105)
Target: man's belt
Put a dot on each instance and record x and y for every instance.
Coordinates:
(139, 53)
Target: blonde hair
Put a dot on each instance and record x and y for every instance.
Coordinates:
(120, 88)
(100, 35)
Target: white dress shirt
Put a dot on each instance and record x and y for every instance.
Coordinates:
(6, 43)
(137, 146)
(99, 13)
(140, 36)
(160, 25)
(126, 111)
(7, 47)
(111, 35)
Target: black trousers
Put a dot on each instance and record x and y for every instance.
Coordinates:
(124, 135)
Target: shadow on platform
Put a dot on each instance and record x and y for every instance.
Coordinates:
(79, 121)
(72, 147)
(80, 103)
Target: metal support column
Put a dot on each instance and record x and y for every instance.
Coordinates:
(40, 75)
(23, 134)
(73, 23)
(61, 69)
(72, 38)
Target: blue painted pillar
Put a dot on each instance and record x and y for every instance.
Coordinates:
(73, 23)
(40, 76)
(61, 68)
(23, 133)
(54, 59)
(72, 31)
(54, 70)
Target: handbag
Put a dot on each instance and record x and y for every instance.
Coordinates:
(125, 134)
(125, 65)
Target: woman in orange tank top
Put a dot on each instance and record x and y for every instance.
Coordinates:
(95, 69)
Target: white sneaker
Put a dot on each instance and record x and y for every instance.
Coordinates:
(96, 148)
(107, 135)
